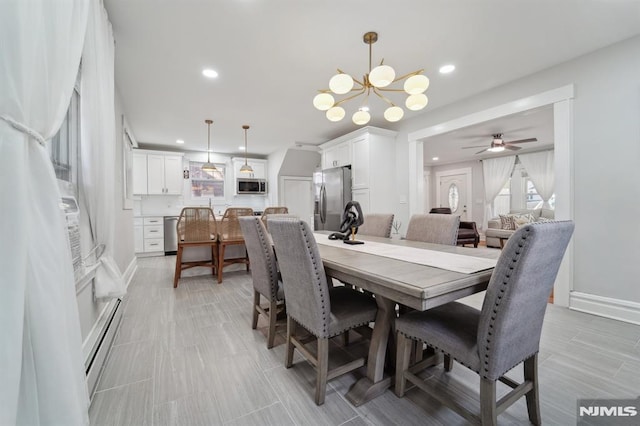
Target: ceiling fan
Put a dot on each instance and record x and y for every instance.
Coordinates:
(498, 144)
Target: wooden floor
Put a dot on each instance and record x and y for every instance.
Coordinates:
(189, 357)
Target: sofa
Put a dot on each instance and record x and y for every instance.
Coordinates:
(495, 230)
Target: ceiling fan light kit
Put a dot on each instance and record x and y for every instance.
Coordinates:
(376, 81)
(498, 144)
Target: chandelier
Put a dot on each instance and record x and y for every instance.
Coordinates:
(377, 81)
(209, 167)
(246, 168)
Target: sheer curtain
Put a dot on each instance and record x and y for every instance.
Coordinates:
(496, 171)
(41, 362)
(98, 145)
(539, 167)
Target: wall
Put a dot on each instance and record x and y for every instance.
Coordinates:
(477, 188)
(123, 252)
(606, 151)
(290, 162)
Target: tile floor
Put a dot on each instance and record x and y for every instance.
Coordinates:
(188, 356)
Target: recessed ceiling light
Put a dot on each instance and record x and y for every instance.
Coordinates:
(241, 148)
(435, 158)
(179, 141)
(446, 69)
(208, 72)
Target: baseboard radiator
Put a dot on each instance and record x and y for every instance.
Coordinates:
(97, 355)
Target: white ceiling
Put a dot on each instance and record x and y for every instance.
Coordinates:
(273, 56)
(448, 147)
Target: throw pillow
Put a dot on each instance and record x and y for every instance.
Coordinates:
(506, 222)
(544, 219)
(522, 219)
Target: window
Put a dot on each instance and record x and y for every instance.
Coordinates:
(206, 184)
(64, 145)
(534, 200)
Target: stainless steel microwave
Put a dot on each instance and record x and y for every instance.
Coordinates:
(251, 186)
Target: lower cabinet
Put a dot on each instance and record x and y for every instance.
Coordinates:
(149, 235)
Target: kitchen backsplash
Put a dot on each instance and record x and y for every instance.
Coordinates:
(171, 205)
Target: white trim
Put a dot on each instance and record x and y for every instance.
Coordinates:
(127, 276)
(519, 105)
(468, 173)
(562, 101)
(616, 309)
(356, 133)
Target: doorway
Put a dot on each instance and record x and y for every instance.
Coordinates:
(453, 190)
(562, 101)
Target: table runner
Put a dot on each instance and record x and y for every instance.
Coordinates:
(437, 259)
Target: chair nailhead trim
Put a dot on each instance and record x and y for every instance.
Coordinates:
(498, 301)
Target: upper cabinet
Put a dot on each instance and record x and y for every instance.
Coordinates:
(336, 155)
(157, 173)
(372, 159)
(259, 168)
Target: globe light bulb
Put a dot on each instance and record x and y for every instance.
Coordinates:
(361, 117)
(382, 76)
(341, 83)
(416, 84)
(416, 102)
(335, 114)
(323, 101)
(393, 114)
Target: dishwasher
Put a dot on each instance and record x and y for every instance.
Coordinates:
(170, 235)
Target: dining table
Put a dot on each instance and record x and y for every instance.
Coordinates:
(412, 274)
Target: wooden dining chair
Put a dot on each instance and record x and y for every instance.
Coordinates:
(505, 333)
(229, 233)
(272, 210)
(264, 273)
(434, 228)
(322, 311)
(196, 228)
(376, 225)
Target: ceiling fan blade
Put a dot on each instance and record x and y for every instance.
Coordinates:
(476, 146)
(480, 152)
(512, 148)
(522, 140)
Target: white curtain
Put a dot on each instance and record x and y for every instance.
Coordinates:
(539, 167)
(496, 172)
(98, 146)
(41, 363)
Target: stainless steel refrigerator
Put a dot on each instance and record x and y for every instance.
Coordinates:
(332, 193)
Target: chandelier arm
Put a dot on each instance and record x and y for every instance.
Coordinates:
(384, 98)
(341, 101)
(411, 74)
(384, 89)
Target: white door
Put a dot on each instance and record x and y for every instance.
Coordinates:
(155, 174)
(173, 174)
(296, 193)
(454, 194)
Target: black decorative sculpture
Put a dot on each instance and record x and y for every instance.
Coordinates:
(352, 218)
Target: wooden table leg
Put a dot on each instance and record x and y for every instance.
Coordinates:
(375, 383)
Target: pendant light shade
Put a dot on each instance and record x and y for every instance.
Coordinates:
(209, 167)
(246, 168)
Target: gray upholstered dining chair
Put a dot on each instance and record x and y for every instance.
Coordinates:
(434, 228)
(322, 311)
(264, 273)
(505, 333)
(376, 225)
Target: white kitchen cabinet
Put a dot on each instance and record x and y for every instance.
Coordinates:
(259, 168)
(157, 173)
(149, 235)
(139, 173)
(336, 155)
(362, 197)
(372, 159)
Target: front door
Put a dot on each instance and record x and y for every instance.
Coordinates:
(453, 194)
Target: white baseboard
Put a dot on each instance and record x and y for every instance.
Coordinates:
(617, 309)
(130, 271)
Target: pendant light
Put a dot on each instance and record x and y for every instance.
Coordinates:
(246, 168)
(209, 167)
